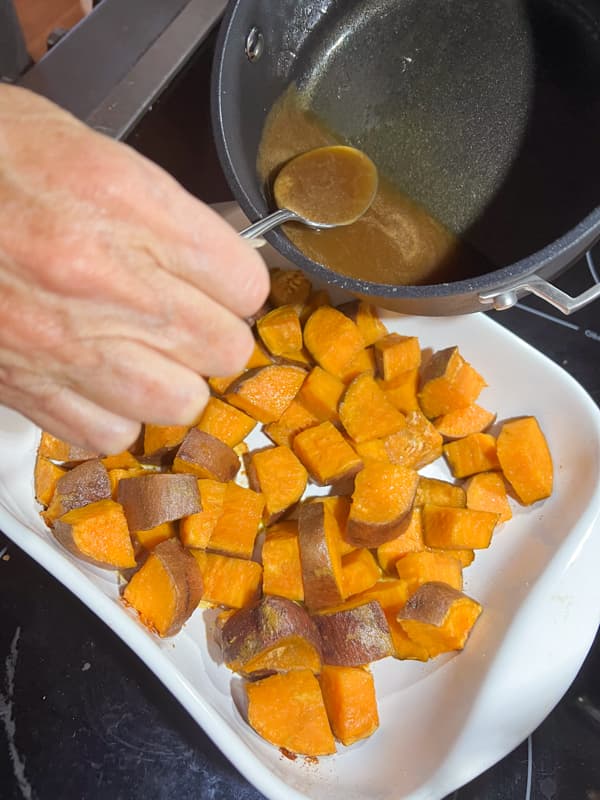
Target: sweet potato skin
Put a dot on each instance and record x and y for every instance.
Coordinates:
(85, 483)
(250, 631)
(353, 637)
(319, 556)
(205, 456)
(150, 500)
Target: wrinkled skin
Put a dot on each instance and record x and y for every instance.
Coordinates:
(118, 289)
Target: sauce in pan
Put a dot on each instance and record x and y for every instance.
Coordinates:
(396, 241)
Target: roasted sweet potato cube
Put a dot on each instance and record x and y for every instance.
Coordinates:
(360, 571)
(486, 491)
(150, 538)
(287, 710)
(383, 495)
(405, 648)
(205, 456)
(289, 287)
(280, 330)
(237, 527)
(225, 422)
(332, 339)
(98, 534)
(366, 413)
(325, 453)
(350, 701)
(46, 476)
(159, 439)
(416, 445)
(363, 362)
(57, 450)
(149, 500)
(266, 392)
(318, 536)
(281, 478)
(449, 528)
(321, 393)
(402, 390)
(294, 419)
(267, 635)
(390, 593)
(117, 475)
(367, 319)
(474, 453)
(282, 571)
(166, 589)
(427, 567)
(464, 421)
(439, 618)
(396, 354)
(228, 581)
(353, 637)
(124, 460)
(439, 493)
(448, 383)
(85, 483)
(408, 538)
(196, 529)
(525, 459)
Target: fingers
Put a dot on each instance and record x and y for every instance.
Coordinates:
(69, 416)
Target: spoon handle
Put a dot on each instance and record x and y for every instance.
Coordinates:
(268, 223)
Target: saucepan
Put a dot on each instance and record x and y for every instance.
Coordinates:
(486, 112)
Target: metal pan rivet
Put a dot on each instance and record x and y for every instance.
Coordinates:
(255, 44)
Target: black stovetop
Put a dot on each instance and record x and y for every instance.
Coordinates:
(82, 718)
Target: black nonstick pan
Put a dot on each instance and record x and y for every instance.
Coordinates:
(487, 112)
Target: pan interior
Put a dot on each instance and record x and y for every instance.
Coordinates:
(486, 113)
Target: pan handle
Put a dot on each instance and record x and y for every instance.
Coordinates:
(501, 300)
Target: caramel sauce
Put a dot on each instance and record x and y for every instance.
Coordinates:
(331, 185)
(396, 241)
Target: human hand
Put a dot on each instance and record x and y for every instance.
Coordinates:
(118, 289)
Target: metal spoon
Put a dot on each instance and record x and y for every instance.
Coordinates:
(327, 187)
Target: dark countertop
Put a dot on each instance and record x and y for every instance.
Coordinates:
(82, 718)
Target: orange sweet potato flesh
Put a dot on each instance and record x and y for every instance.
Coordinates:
(318, 535)
(463, 421)
(416, 445)
(525, 459)
(149, 500)
(295, 418)
(321, 393)
(360, 571)
(150, 538)
(366, 318)
(326, 454)
(332, 339)
(396, 354)
(266, 392)
(279, 475)
(439, 493)
(196, 529)
(282, 571)
(225, 422)
(57, 450)
(205, 456)
(383, 495)
(46, 476)
(124, 460)
(353, 637)
(228, 581)
(366, 413)
(280, 330)
(448, 383)
(350, 702)
(427, 567)
(402, 390)
(269, 627)
(166, 589)
(487, 492)
(450, 528)
(287, 709)
(162, 438)
(439, 618)
(408, 538)
(98, 534)
(85, 483)
(237, 527)
(474, 453)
